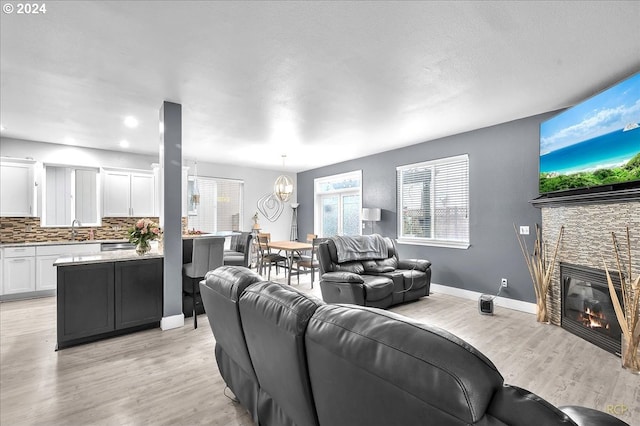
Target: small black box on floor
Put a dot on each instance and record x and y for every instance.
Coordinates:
(485, 304)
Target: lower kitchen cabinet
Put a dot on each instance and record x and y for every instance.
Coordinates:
(101, 300)
(138, 290)
(19, 274)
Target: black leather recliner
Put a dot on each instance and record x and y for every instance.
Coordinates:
(377, 282)
(292, 360)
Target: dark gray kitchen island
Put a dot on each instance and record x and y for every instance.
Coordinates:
(107, 294)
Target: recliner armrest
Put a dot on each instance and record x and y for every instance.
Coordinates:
(342, 277)
(584, 416)
(419, 264)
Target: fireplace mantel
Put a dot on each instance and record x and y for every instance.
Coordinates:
(625, 195)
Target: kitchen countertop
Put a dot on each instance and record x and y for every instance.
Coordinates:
(61, 243)
(105, 256)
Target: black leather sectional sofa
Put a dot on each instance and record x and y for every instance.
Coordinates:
(291, 359)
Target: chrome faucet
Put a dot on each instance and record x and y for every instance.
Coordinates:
(74, 231)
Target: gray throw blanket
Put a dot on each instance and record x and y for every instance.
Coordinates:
(361, 247)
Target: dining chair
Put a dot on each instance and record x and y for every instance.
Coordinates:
(267, 257)
(207, 255)
(311, 263)
(306, 255)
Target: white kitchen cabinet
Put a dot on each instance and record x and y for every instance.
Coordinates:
(46, 272)
(46, 255)
(128, 193)
(17, 188)
(28, 269)
(18, 268)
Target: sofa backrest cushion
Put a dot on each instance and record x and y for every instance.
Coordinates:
(221, 292)
(379, 266)
(275, 318)
(328, 258)
(243, 242)
(375, 367)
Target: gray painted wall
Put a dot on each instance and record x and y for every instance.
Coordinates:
(503, 175)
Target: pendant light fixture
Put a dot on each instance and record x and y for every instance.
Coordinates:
(283, 187)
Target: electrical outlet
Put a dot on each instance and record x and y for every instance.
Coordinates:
(504, 283)
(524, 230)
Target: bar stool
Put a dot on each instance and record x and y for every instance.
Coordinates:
(207, 255)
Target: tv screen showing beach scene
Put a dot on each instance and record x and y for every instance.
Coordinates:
(595, 143)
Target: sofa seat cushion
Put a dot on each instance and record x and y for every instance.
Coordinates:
(377, 287)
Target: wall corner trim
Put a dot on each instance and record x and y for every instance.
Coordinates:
(174, 321)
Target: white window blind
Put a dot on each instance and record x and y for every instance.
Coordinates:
(220, 207)
(433, 202)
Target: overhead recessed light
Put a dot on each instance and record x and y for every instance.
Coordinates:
(124, 143)
(131, 122)
(2, 128)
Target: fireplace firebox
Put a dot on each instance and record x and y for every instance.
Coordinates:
(587, 309)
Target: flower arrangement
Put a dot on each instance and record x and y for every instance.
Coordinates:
(627, 310)
(142, 233)
(540, 268)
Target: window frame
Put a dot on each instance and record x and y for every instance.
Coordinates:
(432, 241)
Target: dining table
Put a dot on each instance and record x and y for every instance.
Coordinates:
(290, 248)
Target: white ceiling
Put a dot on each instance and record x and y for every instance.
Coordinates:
(321, 82)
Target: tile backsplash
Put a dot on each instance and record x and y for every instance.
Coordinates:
(28, 230)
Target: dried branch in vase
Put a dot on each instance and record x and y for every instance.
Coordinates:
(540, 269)
(627, 315)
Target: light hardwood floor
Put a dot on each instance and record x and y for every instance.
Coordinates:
(171, 378)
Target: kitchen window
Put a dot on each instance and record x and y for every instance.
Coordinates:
(220, 206)
(70, 193)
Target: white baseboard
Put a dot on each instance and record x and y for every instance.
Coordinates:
(516, 305)
(174, 321)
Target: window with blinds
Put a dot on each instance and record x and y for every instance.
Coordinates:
(220, 207)
(433, 202)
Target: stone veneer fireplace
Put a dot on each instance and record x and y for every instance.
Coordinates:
(587, 238)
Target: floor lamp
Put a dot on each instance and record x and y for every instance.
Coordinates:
(371, 215)
(294, 222)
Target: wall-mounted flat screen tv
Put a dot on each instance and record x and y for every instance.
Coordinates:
(595, 144)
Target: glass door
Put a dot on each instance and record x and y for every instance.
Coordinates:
(340, 214)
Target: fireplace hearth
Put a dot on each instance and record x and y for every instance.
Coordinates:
(587, 310)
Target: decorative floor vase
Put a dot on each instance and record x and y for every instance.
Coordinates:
(630, 355)
(143, 248)
(542, 314)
